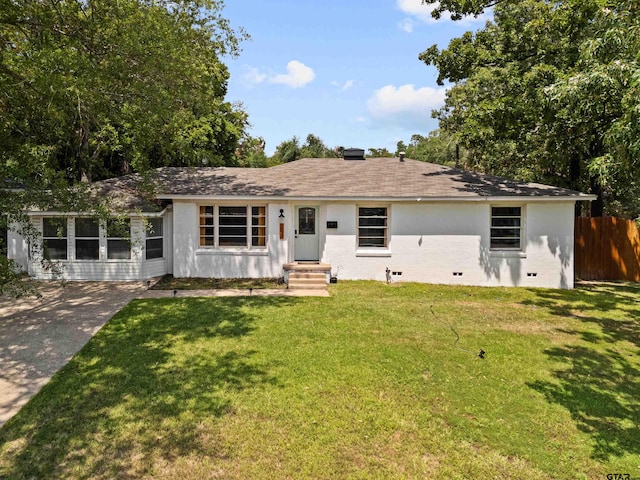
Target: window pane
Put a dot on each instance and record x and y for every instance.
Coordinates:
(153, 248)
(372, 232)
(505, 222)
(372, 212)
(505, 232)
(55, 248)
(118, 228)
(154, 227)
(206, 210)
(87, 227)
(372, 227)
(118, 250)
(233, 221)
(505, 211)
(87, 250)
(375, 222)
(233, 241)
(307, 221)
(372, 242)
(54, 227)
(505, 243)
(233, 211)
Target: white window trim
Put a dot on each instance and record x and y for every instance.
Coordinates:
(373, 251)
(519, 252)
(247, 249)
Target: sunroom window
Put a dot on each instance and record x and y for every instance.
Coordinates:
(54, 238)
(506, 228)
(87, 231)
(155, 241)
(118, 239)
(372, 227)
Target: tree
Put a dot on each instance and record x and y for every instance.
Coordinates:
(547, 91)
(313, 147)
(287, 151)
(250, 152)
(379, 153)
(96, 88)
(437, 147)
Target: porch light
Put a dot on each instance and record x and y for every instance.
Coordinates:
(281, 218)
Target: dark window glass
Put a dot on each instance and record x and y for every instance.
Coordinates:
(87, 239)
(154, 245)
(372, 227)
(307, 221)
(54, 238)
(506, 228)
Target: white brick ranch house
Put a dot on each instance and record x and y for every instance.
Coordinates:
(374, 218)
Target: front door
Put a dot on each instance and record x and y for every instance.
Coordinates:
(307, 243)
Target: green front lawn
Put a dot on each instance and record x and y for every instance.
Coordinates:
(369, 383)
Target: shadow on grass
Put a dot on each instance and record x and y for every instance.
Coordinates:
(600, 384)
(143, 391)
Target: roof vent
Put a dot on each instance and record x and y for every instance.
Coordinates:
(353, 154)
(401, 156)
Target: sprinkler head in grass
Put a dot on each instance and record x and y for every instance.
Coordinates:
(481, 354)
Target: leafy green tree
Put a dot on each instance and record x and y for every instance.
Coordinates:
(547, 91)
(379, 153)
(250, 152)
(313, 147)
(97, 88)
(287, 151)
(437, 147)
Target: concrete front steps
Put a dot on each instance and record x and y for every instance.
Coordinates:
(307, 276)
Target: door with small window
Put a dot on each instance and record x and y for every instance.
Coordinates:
(307, 237)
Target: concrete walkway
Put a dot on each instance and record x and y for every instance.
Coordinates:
(39, 336)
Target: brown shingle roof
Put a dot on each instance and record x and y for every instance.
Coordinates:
(337, 178)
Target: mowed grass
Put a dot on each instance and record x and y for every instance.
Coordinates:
(369, 383)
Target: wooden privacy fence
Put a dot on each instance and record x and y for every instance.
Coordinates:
(607, 248)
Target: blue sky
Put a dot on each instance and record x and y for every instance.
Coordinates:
(344, 70)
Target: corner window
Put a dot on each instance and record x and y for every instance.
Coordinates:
(506, 228)
(372, 227)
(227, 226)
(87, 232)
(155, 241)
(54, 238)
(118, 243)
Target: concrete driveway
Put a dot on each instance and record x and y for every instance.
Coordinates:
(39, 336)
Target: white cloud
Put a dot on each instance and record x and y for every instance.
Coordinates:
(344, 86)
(254, 76)
(406, 25)
(347, 85)
(422, 11)
(405, 106)
(298, 75)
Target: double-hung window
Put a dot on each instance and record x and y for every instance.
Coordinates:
(118, 239)
(227, 226)
(506, 228)
(54, 238)
(373, 227)
(87, 231)
(155, 240)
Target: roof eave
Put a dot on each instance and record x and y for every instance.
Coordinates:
(413, 198)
